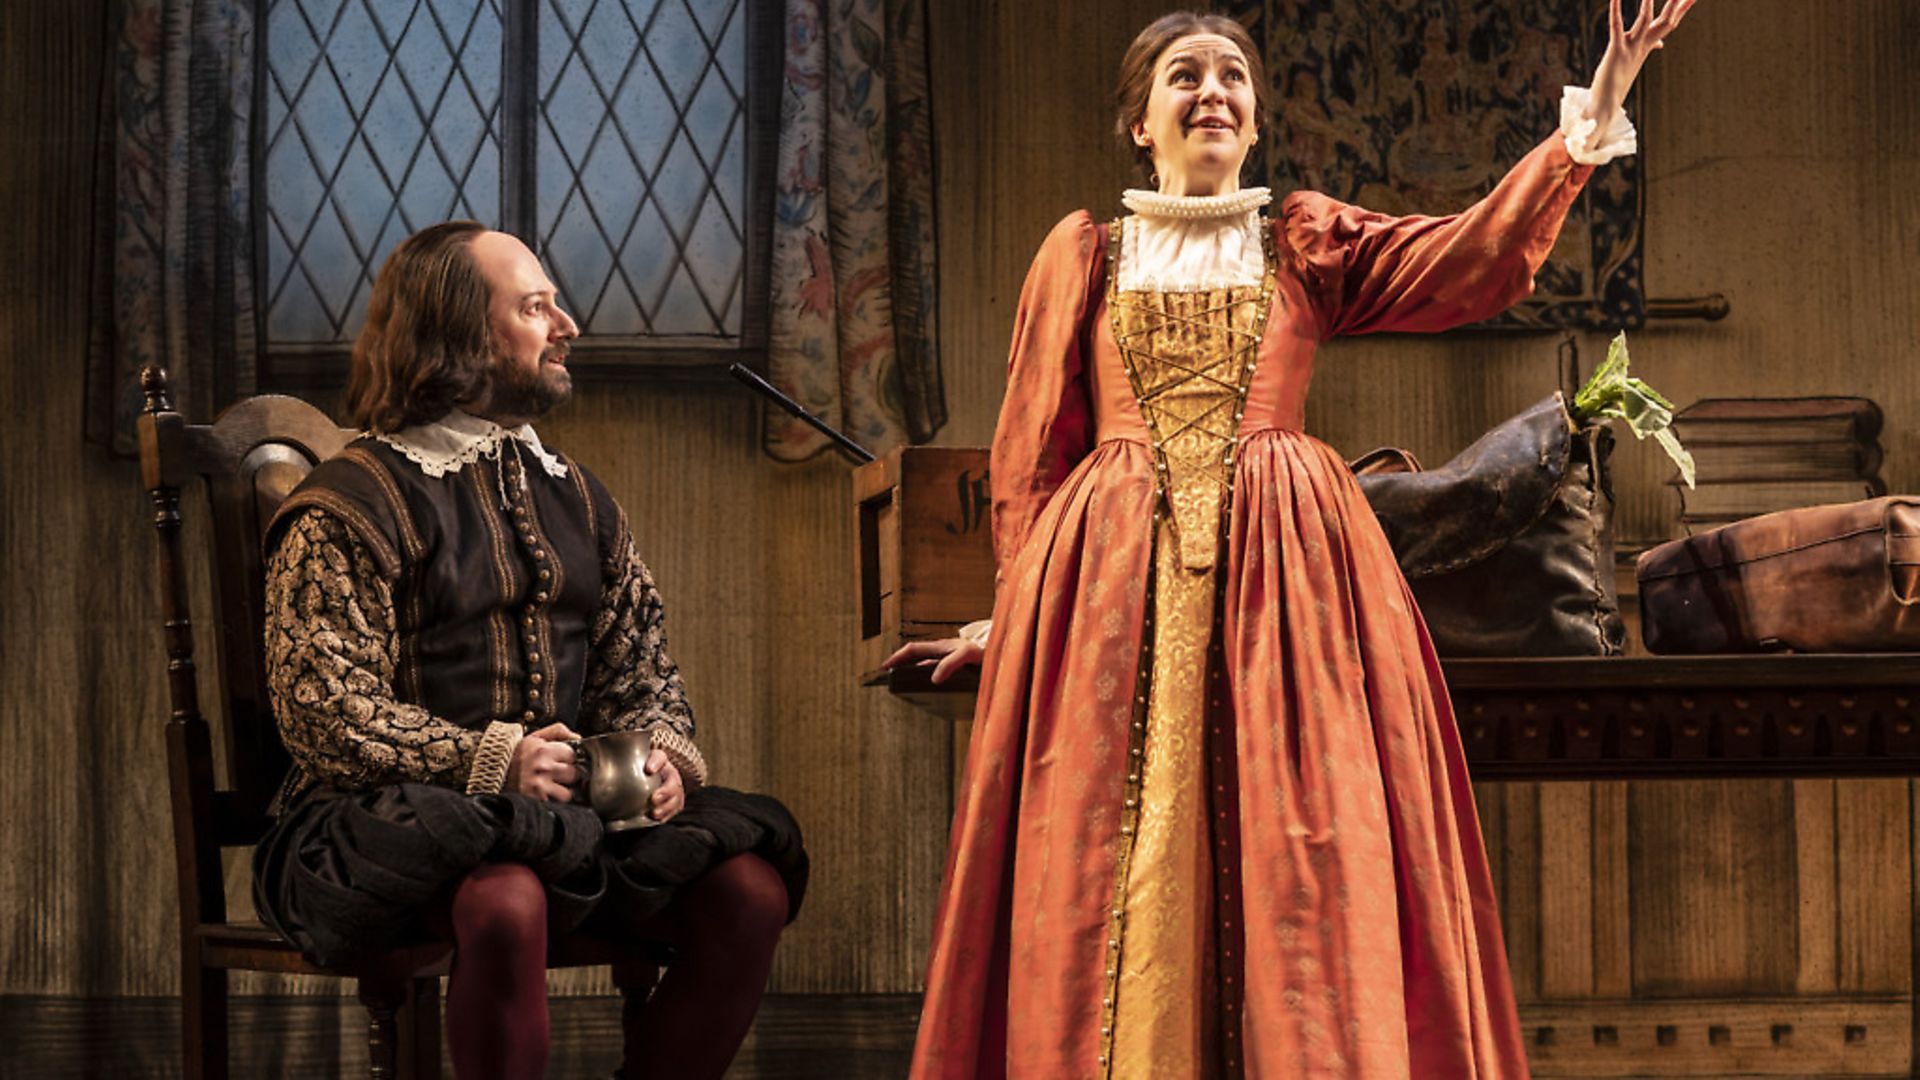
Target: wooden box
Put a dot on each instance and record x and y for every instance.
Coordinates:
(923, 548)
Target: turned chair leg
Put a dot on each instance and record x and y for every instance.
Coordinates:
(382, 1000)
(635, 979)
(420, 1030)
(203, 1018)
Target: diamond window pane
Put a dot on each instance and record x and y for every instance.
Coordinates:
(637, 190)
(383, 117)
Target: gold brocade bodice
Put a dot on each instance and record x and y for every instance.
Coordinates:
(1190, 357)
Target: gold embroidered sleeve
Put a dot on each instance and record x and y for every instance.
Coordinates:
(331, 645)
(631, 681)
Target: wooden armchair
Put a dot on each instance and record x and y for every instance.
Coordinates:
(249, 460)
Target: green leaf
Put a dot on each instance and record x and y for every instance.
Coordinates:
(1671, 445)
(1612, 394)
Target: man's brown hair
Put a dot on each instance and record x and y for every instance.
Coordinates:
(427, 344)
(1136, 71)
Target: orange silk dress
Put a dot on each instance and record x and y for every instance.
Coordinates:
(1215, 820)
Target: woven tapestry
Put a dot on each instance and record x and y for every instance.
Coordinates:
(1421, 106)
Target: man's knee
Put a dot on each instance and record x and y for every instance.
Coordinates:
(744, 899)
(501, 907)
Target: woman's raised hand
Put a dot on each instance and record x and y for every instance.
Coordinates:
(1627, 49)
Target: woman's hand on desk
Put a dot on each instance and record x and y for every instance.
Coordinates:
(947, 655)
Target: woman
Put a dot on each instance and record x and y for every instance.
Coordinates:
(1215, 818)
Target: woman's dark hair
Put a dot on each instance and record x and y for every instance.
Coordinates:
(1136, 71)
(426, 345)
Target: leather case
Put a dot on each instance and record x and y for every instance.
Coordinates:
(1840, 578)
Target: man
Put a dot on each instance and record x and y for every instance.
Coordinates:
(449, 605)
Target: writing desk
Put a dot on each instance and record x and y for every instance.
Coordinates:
(1639, 718)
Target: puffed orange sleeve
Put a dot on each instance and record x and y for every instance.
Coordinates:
(1367, 272)
(1046, 420)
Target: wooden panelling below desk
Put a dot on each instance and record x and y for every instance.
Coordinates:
(1639, 718)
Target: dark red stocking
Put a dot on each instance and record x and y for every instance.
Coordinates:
(497, 992)
(723, 927)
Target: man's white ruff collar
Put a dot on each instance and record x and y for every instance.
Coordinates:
(451, 443)
(1195, 207)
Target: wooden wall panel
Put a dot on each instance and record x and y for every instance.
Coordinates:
(1712, 867)
(1817, 880)
(81, 875)
(1874, 951)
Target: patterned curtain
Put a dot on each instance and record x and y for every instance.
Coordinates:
(853, 316)
(172, 233)
(1421, 106)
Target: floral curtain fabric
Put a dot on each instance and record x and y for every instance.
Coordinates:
(854, 312)
(173, 234)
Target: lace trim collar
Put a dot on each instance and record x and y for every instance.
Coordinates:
(1152, 204)
(459, 439)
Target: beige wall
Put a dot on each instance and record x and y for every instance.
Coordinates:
(1778, 136)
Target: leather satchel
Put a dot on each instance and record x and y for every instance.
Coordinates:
(1841, 578)
(1509, 546)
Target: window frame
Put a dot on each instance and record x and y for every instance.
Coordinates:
(297, 368)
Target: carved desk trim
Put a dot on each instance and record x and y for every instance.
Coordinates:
(1640, 718)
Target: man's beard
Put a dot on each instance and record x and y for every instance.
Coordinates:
(532, 394)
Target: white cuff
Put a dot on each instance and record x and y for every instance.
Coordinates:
(1586, 142)
(977, 632)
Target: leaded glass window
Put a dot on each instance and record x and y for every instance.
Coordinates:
(617, 136)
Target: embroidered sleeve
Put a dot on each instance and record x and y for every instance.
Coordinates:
(632, 683)
(1046, 419)
(331, 645)
(1368, 272)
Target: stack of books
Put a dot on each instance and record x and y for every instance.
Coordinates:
(1754, 456)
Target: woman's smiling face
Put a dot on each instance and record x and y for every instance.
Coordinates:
(1200, 119)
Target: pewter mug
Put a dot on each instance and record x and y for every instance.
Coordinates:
(614, 777)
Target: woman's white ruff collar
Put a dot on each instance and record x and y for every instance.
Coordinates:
(451, 443)
(1195, 207)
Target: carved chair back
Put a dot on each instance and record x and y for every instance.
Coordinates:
(246, 462)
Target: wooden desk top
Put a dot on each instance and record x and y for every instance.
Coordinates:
(1625, 718)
